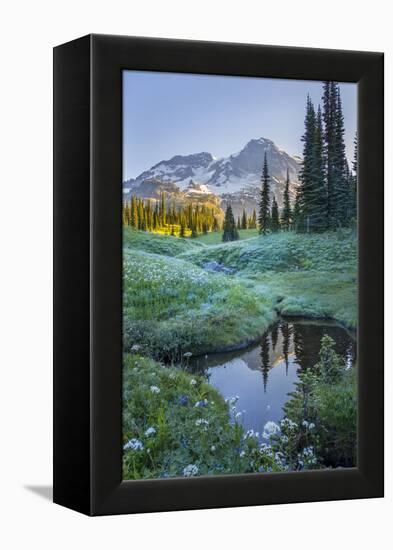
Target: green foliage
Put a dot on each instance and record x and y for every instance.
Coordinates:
(244, 220)
(155, 243)
(331, 366)
(230, 231)
(301, 274)
(175, 424)
(184, 220)
(322, 414)
(171, 307)
(264, 203)
(275, 219)
(286, 215)
(312, 198)
(335, 252)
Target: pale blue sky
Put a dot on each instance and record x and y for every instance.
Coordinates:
(167, 114)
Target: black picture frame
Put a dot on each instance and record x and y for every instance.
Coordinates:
(88, 274)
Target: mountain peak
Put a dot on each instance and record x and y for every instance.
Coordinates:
(193, 160)
(239, 172)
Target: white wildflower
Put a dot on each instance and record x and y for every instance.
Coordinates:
(136, 347)
(269, 429)
(250, 433)
(201, 422)
(133, 445)
(193, 381)
(190, 470)
(150, 431)
(288, 424)
(155, 389)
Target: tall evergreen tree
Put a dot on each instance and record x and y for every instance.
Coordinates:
(318, 177)
(244, 220)
(307, 187)
(286, 216)
(264, 203)
(342, 186)
(134, 213)
(312, 194)
(230, 231)
(329, 99)
(253, 221)
(296, 211)
(275, 220)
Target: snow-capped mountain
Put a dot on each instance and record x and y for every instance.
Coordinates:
(235, 178)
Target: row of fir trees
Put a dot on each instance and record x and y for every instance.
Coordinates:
(159, 217)
(191, 220)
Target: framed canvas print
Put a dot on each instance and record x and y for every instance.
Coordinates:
(218, 275)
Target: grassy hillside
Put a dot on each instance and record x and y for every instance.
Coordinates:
(215, 237)
(157, 244)
(172, 305)
(283, 252)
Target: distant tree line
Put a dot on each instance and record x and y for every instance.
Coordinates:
(161, 217)
(325, 199)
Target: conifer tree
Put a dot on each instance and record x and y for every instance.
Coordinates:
(163, 210)
(307, 188)
(134, 213)
(239, 225)
(286, 211)
(230, 232)
(264, 203)
(253, 223)
(329, 102)
(342, 186)
(296, 211)
(275, 221)
(244, 220)
(318, 177)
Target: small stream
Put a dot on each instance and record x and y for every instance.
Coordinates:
(263, 375)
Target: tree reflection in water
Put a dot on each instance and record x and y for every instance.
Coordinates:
(299, 342)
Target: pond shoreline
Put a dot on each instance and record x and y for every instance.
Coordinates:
(288, 318)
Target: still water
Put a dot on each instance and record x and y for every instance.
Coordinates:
(263, 375)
